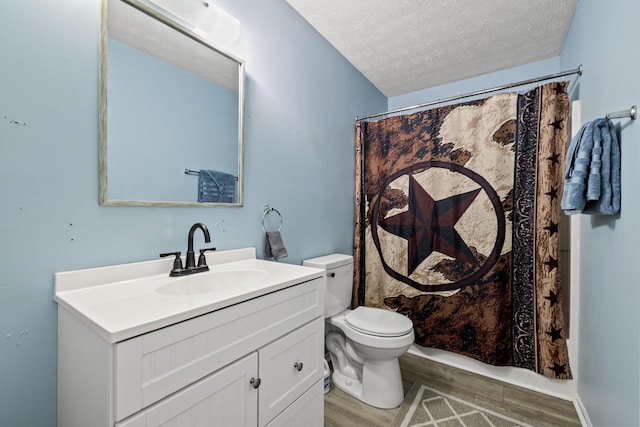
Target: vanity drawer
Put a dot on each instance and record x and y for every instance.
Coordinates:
(307, 411)
(155, 365)
(289, 367)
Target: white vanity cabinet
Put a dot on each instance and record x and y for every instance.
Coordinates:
(254, 363)
(229, 396)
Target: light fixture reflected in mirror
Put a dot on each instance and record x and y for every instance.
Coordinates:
(207, 19)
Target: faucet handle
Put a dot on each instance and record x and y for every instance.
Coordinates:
(177, 262)
(202, 260)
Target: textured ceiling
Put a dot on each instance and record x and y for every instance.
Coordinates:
(403, 46)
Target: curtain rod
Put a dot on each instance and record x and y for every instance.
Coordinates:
(480, 92)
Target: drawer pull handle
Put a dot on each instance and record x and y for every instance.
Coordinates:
(255, 382)
(331, 274)
(298, 366)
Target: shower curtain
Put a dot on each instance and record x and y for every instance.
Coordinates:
(458, 212)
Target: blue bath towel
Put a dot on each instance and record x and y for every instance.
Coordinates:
(592, 173)
(216, 187)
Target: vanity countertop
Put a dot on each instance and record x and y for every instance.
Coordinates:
(123, 301)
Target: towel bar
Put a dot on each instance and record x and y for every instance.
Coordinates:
(631, 113)
(192, 172)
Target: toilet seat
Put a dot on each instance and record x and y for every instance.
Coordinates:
(378, 322)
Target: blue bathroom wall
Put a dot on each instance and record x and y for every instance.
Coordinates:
(475, 84)
(302, 97)
(604, 37)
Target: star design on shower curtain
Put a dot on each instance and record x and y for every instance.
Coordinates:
(554, 158)
(429, 225)
(553, 193)
(557, 124)
(558, 369)
(552, 228)
(555, 334)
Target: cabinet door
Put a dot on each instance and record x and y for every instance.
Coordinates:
(224, 398)
(289, 367)
(307, 411)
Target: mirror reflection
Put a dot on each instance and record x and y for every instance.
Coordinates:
(171, 112)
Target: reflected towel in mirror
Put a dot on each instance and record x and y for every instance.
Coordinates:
(216, 187)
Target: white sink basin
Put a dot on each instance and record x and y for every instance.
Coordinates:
(200, 283)
(122, 301)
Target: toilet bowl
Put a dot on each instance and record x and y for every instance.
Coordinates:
(366, 362)
(364, 344)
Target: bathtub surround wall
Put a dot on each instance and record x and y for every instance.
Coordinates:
(302, 97)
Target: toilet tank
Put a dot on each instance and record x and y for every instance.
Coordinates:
(339, 279)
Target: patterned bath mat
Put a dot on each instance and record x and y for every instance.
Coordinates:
(425, 406)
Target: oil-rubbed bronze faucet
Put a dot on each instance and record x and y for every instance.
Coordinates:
(191, 261)
(191, 266)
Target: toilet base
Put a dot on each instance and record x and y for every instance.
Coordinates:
(381, 384)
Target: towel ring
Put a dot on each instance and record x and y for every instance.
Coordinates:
(268, 210)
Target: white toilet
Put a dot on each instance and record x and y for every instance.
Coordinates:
(364, 343)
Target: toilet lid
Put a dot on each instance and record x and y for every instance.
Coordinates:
(379, 322)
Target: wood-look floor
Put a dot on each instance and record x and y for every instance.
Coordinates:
(342, 410)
